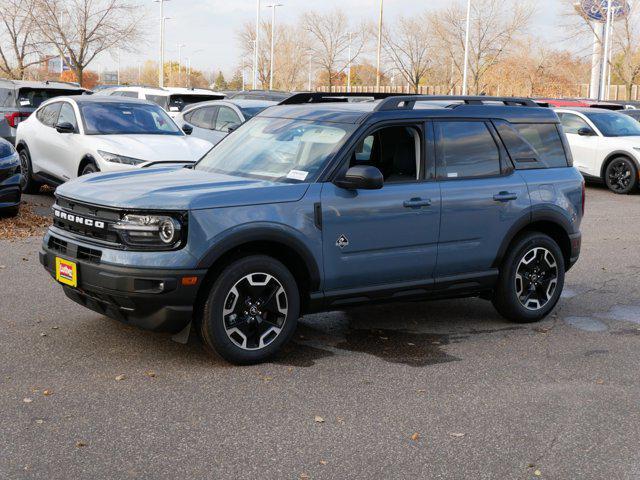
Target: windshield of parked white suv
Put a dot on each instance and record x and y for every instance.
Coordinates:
(615, 124)
(124, 118)
(277, 149)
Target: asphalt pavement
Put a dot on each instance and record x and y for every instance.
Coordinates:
(434, 390)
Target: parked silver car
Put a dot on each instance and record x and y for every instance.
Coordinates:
(213, 120)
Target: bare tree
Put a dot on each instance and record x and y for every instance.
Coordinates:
(493, 29)
(626, 61)
(17, 39)
(330, 37)
(81, 29)
(247, 36)
(408, 45)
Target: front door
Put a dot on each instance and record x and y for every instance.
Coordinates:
(384, 238)
(584, 148)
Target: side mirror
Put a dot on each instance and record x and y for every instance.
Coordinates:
(586, 132)
(65, 127)
(361, 177)
(188, 129)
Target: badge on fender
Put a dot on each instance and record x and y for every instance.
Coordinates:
(342, 241)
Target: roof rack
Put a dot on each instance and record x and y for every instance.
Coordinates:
(325, 97)
(408, 102)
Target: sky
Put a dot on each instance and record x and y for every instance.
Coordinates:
(208, 28)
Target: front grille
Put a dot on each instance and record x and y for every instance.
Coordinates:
(89, 254)
(89, 214)
(58, 245)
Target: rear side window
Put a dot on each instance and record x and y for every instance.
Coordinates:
(202, 117)
(467, 150)
(533, 143)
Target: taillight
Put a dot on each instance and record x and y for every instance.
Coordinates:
(14, 118)
(584, 196)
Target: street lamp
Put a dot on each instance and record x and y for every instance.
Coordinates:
(256, 46)
(379, 46)
(273, 37)
(466, 49)
(163, 47)
(161, 65)
(349, 66)
(180, 47)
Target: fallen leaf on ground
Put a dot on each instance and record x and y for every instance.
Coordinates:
(599, 381)
(318, 419)
(323, 462)
(39, 420)
(340, 419)
(415, 436)
(81, 444)
(457, 434)
(27, 400)
(42, 334)
(421, 390)
(150, 374)
(120, 377)
(537, 473)
(26, 224)
(304, 476)
(46, 393)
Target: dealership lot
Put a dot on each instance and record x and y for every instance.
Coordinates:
(429, 390)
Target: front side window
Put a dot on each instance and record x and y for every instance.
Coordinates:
(48, 115)
(115, 118)
(467, 150)
(571, 123)
(226, 119)
(67, 115)
(277, 149)
(202, 117)
(612, 124)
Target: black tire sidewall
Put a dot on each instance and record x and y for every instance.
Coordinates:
(89, 166)
(634, 176)
(212, 328)
(30, 186)
(506, 299)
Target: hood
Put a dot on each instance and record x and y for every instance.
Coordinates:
(181, 189)
(152, 148)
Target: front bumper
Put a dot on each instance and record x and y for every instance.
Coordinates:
(150, 298)
(10, 192)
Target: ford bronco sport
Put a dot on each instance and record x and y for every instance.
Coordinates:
(322, 204)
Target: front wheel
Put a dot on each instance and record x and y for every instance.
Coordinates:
(89, 168)
(621, 176)
(251, 311)
(531, 279)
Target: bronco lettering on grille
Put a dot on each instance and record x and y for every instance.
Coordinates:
(79, 220)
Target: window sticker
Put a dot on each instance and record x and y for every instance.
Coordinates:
(297, 175)
(452, 174)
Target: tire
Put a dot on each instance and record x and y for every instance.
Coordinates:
(621, 175)
(533, 258)
(10, 212)
(28, 184)
(89, 168)
(234, 317)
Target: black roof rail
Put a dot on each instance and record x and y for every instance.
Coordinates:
(397, 102)
(326, 97)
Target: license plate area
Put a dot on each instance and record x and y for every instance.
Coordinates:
(66, 272)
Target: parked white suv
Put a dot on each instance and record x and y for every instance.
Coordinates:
(172, 99)
(605, 145)
(72, 136)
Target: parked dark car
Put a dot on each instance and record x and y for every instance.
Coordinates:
(319, 206)
(10, 179)
(632, 112)
(18, 99)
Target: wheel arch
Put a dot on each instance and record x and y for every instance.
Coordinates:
(274, 241)
(86, 159)
(616, 154)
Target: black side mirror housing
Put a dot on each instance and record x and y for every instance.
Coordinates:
(363, 177)
(188, 129)
(586, 132)
(65, 127)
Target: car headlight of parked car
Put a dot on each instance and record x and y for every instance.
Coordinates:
(115, 158)
(141, 230)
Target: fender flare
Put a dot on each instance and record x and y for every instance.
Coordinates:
(263, 232)
(618, 153)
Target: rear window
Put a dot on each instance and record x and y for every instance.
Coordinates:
(33, 97)
(535, 143)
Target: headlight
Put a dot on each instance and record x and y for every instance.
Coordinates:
(114, 158)
(150, 230)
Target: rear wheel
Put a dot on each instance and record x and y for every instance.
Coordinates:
(621, 175)
(27, 183)
(251, 311)
(531, 279)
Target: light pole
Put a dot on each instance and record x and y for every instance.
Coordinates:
(161, 65)
(466, 49)
(310, 59)
(605, 54)
(379, 46)
(256, 46)
(349, 66)
(163, 48)
(180, 46)
(273, 40)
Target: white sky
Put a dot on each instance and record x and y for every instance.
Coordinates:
(208, 27)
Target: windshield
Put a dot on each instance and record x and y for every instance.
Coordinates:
(33, 97)
(277, 149)
(178, 102)
(615, 124)
(122, 118)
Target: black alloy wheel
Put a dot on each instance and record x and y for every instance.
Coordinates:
(621, 175)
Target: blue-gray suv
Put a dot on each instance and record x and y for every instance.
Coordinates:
(324, 203)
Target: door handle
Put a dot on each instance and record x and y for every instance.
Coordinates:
(417, 203)
(505, 196)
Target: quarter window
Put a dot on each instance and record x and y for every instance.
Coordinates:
(533, 142)
(571, 123)
(467, 150)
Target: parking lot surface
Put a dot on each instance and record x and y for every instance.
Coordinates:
(444, 389)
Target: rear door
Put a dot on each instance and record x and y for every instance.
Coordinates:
(482, 197)
(383, 239)
(584, 148)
